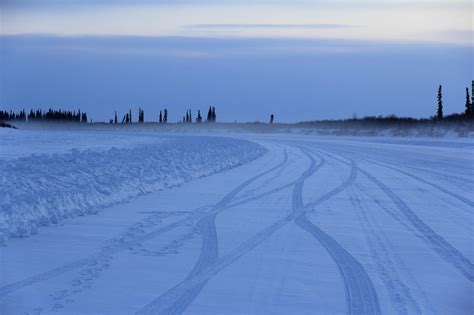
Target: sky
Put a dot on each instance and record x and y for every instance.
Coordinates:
(299, 60)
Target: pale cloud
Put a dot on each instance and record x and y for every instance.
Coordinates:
(260, 26)
(389, 20)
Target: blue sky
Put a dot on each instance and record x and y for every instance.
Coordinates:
(297, 59)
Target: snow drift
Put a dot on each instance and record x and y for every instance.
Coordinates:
(42, 189)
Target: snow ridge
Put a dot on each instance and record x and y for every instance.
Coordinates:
(42, 189)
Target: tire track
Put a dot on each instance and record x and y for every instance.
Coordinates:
(113, 249)
(178, 298)
(385, 259)
(415, 165)
(395, 167)
(361, 297)
(442, 189)
(437, 243)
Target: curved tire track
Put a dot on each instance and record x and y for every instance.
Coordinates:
(438, 244)
(110, 250)
(178, 298)
(361, 296)
(442, 189)
(360, 292)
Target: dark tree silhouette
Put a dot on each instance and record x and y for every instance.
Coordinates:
(165, 116)
(472, 98)
(468, 106)
(214, 118)
(161, 118)
(126, 119)
(130, 116)
(209, 115)
(39, 115)
(439, 112)
(271, 118)
(199, 118)
(141, 115)
(115, 117)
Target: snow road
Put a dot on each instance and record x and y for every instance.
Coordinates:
(315, 225)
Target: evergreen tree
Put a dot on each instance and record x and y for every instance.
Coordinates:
(214, 118)
(472, 98)
(209, 115)
(468, 110)
(271, 119)
(161, 118)
(130, 116)
(199, 118)
(187, 117)
(190, 117)
(115, 118)
(141, 115)
(439, 113)
(165, 116)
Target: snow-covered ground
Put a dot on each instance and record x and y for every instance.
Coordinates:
(321, 225)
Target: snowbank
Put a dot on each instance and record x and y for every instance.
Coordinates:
(42, 189)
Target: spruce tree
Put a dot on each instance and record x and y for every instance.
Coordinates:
(271, 118)
(468, 109)
(199, 118)
(214, 118)
(472, 99)
(115, 118)
(209, 115)
(165, 116)
(439, 113)
(141, 115)
(161, 118)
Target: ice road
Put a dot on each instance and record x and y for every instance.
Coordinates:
(309, 225)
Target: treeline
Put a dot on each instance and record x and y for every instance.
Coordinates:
(163, 117)
(73, 116)
(389, 120)
(468, 113)
(392, 120)
(211, 116)
(39, 115)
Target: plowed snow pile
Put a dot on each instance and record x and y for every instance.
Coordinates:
(38, 190)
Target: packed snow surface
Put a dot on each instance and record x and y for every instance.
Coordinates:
(43, 189)
(317, 225)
